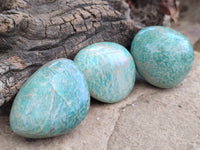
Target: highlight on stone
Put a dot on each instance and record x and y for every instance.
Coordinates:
(163, 56)
(109, 70)
(54, 100)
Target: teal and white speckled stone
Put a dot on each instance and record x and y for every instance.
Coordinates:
(109, 70)
(162, 55)
(54, 100)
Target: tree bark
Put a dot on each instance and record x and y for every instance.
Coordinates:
(33, 32)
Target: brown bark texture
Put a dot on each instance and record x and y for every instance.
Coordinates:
(33, 32)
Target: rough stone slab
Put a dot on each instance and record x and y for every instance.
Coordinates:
(159, 119)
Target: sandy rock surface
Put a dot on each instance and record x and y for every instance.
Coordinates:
(149, 118)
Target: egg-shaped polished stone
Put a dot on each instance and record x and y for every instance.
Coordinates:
(54, 100)
(109, 70)
(163, 56)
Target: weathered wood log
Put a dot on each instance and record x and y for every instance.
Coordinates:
(33, 32)
(150, 10)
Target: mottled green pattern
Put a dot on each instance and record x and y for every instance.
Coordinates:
(109, 70)
(163, 56)
(53, 101)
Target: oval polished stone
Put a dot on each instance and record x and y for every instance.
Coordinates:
(163, 56)
(54, 100)
(109, 70)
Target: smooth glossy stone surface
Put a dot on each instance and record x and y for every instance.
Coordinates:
(162, 55)
(109, 70)
(54, 100)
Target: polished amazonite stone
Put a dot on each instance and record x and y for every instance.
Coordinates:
(163, 56)
(54, 100)
(109, 70)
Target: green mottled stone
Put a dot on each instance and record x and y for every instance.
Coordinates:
(54, 100)
(162, 55)
(109, 70)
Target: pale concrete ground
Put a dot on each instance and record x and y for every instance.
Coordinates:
(148, 119)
